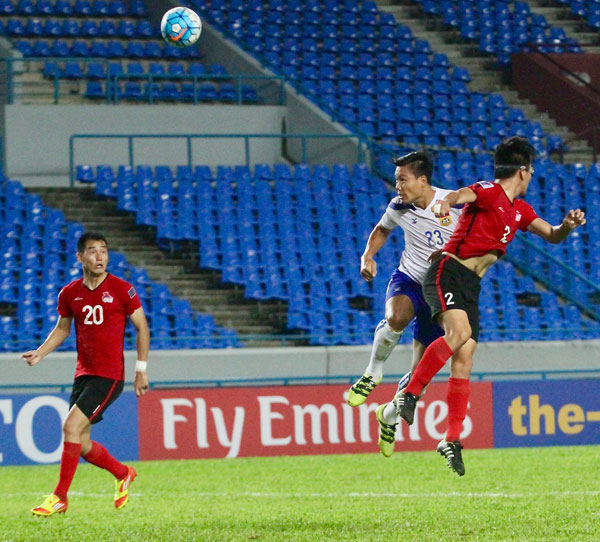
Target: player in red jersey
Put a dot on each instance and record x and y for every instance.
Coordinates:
(100, 304)
(489, 221)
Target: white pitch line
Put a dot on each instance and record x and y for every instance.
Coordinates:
(71, 494)
(364, 495)
(369, 495)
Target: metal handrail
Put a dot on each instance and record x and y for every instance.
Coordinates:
(557, 287)
(113, 96)
(542, 374)
(304, 137)
(294, 338)
(112, 79)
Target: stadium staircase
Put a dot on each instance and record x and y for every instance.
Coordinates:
(177, 269)
(486, 74)
(574, 26)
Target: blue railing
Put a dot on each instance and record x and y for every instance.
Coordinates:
(320, 379)
(545, 268)
(554, 274)
(270, 88)
(114, 93)
(188, 138)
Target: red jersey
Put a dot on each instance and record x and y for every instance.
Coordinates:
(100, 316)
(488, 223)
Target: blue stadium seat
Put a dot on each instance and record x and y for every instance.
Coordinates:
(135, 69)
(145, 30)
(95, 89)
(71, 28)
(126, 29)
(15, 27)
(117, 8)
(63, 7)
(82, 7)
(98, 48)
(107, 29)
(72, 70)
(7, 7)
(149, 50)
(90, 29)
(96, 70)
(115, 49)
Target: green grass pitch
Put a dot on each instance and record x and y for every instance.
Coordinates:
(512, 494)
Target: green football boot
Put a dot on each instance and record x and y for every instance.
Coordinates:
(359, 392)
(387, 433)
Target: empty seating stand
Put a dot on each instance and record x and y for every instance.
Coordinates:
(373, 75)
(37, 239)
(291, 233)
(121, 33)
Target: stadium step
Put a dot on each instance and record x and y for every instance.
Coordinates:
(486, 75)
(202, 287)
(574, 26)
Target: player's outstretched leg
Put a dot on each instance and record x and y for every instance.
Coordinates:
(122, 488)
(387, 432)
(384, 341)
(452, 451)
(52, 505)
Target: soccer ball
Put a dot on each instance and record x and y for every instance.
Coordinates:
(181, 27)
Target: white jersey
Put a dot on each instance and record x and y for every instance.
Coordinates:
(423, 232)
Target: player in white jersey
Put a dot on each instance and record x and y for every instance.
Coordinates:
(423, 235)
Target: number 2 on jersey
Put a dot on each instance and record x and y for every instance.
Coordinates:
(95, 314)
(506, 234)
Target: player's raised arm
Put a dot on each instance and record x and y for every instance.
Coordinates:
(557, 234)
(138, 319)
(463, 195)
(53, 341)
(368, 266)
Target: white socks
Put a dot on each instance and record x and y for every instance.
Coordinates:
(384, 341)
(390, 414)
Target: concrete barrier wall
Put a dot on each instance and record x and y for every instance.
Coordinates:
(37, 136)
(305, 362)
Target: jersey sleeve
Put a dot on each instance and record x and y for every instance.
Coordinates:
(131, 300)
(62, 307)
(484, 190)
(394, 211)
(528, 215)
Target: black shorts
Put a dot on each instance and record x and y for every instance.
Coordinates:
(94, 394)
(450, 285)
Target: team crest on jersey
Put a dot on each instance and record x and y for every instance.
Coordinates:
(107, 298)
(518, 217)
(445, 220)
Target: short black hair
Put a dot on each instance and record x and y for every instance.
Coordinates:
(418, 162)
(89, 236)
(510, 155)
